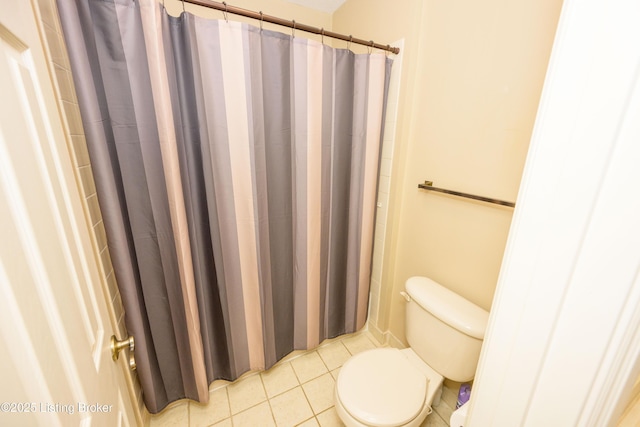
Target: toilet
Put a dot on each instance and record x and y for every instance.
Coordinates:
(388, 387)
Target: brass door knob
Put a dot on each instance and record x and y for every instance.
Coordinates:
(132, 362)
(117, 346)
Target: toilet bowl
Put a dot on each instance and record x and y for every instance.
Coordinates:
(388, 387)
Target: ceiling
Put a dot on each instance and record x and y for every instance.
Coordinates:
(328, 6)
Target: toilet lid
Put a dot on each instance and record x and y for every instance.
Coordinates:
(381, 388)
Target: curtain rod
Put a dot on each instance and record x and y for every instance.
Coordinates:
(224, 7)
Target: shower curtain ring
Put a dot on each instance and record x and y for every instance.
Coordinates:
(261, 20)
(349, 42)
(293, 31)
(370, 47)
(183, 6)
(322, 35)
(226, 18)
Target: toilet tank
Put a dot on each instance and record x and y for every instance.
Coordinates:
(444, 329)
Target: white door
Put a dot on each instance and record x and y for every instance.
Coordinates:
(55, 362)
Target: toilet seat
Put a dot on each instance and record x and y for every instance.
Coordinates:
(382, 388)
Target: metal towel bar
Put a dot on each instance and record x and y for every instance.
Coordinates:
(428, 185)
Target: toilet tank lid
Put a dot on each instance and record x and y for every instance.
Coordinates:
(448, 306)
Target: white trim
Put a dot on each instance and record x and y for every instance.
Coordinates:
(393, 341)
(375, 331)
(386, 339)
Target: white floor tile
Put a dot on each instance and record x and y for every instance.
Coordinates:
(329, 418)
(246, 393)
(447, 403)
(444, 410)
(334, 374)
(359, 343)
(224, 423)
(291, 408)
(320, 393)
(216, 410)
(434, 420)
(309, 423)
(450, 395)
(334, 355)
(216, 384)
(257, 416)
(176, 415)
(308, 367)
(279, 379)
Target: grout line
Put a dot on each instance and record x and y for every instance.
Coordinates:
(296, 375)
(302, 422)
(226, 392)
(308, 402)
(323, 362)
(273, 417)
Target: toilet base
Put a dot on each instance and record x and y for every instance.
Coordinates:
(438, 395)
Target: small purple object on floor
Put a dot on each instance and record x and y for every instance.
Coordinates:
(463, 395)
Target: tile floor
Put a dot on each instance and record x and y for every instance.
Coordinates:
(298, 391)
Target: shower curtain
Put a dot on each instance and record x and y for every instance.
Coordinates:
(236, 171)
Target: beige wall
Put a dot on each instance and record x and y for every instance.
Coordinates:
(471, 81)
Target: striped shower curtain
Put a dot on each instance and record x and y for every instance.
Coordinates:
(236, 172)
